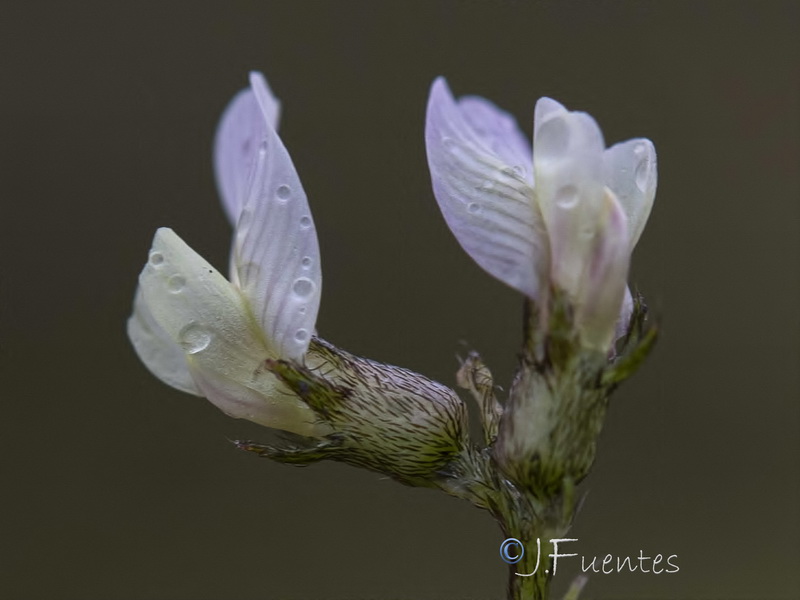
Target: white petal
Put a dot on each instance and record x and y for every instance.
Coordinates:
(630, 172)
(568, 170)
(545, 109)
(486, 202)
(239, 132)
(160, 354)
(199, 310)
(276, 253)
(600, 297)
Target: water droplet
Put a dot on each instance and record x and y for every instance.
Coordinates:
(306, 262)
(642, 174)
(194, 338)
(305, 222)
(567, 197)
(176, 283)
(303, 287)
(283, 193)
(639, 150)
(474, 208)
(487, 185)
(301, 335)
(587, 233)
(302, 310)
(552, 139)
(156, 259)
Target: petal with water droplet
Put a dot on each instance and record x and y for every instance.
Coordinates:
(486, 203)
(208, 318)
(275, 244)
(631, 173)
(568, 170)
(157, 350)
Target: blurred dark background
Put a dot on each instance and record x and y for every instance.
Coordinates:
(115, 486)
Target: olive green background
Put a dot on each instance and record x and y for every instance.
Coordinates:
(116, 487)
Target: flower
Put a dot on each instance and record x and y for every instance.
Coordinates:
(565, 215)
(205, 335)
(249, 345)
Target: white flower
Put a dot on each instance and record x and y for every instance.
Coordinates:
(208, 336)
(566, 214)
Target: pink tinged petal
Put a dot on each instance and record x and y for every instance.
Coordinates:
(240, 130)
(600, 299)
(498, 131)
(276, 254)
(568, 170)
(485, 201)
(621, 328)
(631, 173)
(264, 400)
(163, 357)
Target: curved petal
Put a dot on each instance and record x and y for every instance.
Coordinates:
(203, 314)
(160, 354)
(624, 319)
(236, 143)
(276, 254)
(600, 299)
(498, 131)
(486, 202)
(199, 309)
(568, 169)
(631, 173)
(264, 400)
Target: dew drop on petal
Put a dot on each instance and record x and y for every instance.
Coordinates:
(156, 259)
(474, 208)
(306, 262)
(305, 222)
(176, 283)
(641, 175)
(194, 338)
(283, 193)
(302, 310)
(303, 287)
(301, 335)
(567, 197)
(587, 233)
